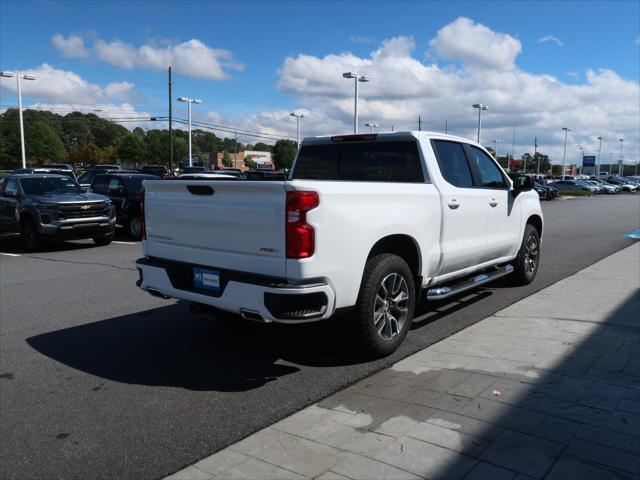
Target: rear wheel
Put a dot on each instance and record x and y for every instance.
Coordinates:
(386, 303)
(30, 236)
(526, 263)
(134, 227)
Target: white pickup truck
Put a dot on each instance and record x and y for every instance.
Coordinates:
(370, 223)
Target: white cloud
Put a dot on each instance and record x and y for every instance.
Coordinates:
(552, 39)
(402, 88)
(66, 86)
(475, 44)
(71, 46)
(192, 58)
(116, 53)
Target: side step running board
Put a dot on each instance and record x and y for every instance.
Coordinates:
(440, 293)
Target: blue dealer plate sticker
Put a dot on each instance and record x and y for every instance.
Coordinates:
(207, 279)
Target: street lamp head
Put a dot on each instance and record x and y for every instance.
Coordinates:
(566, 129)
(183, 99)
(7, 74)
(350, 75)
(621, 139)
(196, 100)
(600, 138)
(364, 78)
(480, 106)
(29, 77)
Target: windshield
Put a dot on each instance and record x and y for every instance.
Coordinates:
(47, 185)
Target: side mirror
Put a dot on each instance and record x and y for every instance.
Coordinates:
(522, 183)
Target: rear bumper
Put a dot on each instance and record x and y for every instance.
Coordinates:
(257, 298)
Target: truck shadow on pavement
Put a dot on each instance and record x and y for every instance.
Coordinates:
(169, 346)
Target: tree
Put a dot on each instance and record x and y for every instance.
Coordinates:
(250, 163)
(262, 147)
(87, 154)
(226, 159)
(132, 149)
(284, 151)
(42, 144)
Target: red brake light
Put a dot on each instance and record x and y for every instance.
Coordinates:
(144, 228)
(300, 235)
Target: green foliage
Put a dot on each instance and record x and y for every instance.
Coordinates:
(284, 151)
(250, 163)
(226, 159)
(43, 144)
(261, 147)
(132, 149)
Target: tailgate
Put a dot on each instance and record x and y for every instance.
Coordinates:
(235, 225)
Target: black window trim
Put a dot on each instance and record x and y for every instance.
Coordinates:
(475, 171)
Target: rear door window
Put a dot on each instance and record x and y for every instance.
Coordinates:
(378, 161)
(453, 163)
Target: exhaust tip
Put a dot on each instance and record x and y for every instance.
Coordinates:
(157, 293)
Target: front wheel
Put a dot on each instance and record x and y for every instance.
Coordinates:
(386, 304)
(31, 236)
(104, 240)
(526, 263)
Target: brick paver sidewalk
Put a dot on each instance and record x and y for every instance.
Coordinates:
(547, 388)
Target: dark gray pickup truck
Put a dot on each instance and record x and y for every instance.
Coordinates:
(47, 207)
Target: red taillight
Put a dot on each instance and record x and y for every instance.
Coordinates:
(144, 228)
(301, 241)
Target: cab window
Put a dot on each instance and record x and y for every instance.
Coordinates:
(453, 163)
(490, 174)
(10, 187)
(114, 184)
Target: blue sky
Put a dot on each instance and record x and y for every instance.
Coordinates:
(259, 36)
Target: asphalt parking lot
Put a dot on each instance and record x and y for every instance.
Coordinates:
(99, 379)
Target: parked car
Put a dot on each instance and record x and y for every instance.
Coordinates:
(607, 187)
(624, 185)
(543, 193)
(106, 167)
(372, 223)
(87, 177)
(125, 190)
(55, 171)
(231, 171)
(194, 170)
(57, 166)
(157, 170)
(574, 185)
(45, 207)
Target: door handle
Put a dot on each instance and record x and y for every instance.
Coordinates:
(493, 202)
(453, 204)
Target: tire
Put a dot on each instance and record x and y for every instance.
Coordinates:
(134, 227)
(104, 240)
(31, 236)
(528, 259)
(383, 320)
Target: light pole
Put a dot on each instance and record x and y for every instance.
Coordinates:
(597, 169)
(581, 148)
(357, 78)
(189, 101)
(298, 117)
(564, 155)
(480, 108)
(495, 148)
(620, 169)
(25, 77)
(371, 126)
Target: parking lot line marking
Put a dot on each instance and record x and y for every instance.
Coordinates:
(10, 254)
(125, 243)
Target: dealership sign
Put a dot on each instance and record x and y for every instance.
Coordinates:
(589, 161)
